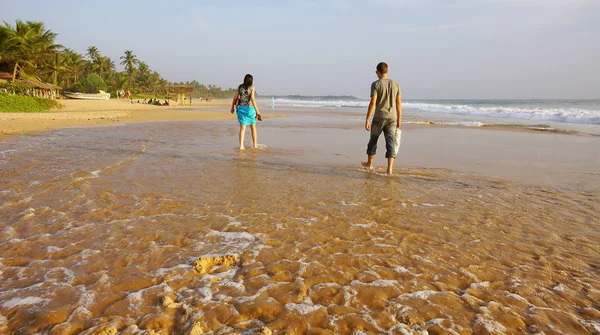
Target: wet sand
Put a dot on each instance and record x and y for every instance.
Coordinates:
(109, 112)
(167, 228)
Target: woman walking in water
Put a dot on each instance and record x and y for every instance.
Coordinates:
(247, 110)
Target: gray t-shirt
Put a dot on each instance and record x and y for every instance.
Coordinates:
(386, 90)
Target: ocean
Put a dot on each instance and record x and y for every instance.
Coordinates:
(474, 111)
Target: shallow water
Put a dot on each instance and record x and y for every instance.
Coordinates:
(101, 227)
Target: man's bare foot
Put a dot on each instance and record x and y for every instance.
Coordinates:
(366, 165)
(242, 148)
(255, 146)
(389, 172)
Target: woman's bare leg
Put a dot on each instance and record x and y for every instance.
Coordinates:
(254, 136)
(242, 132)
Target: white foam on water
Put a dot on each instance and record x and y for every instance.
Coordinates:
(432, 205)
(10, 232)
(135, 297)
(491, 326)
(517, 297)
(3, 155)
(469, 274)
(68, 275)
(164, 271)
(235, 241)
(593, 326)
(88, 252)
(50, 249)
(323, 285)
(437, 321)
(14, 302)
(560, 288)
(362, 225)
(308, 221)
(420, 294)
(401, 269)
(383, 245)
(383, 283)
(87, 298)
(303, 308)
(104, 279)
(419, 258)
(578, 115)
(95, 174)
(460, 123)
(480, 284)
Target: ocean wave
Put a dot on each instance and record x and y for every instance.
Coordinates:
(531, 110)
(576, 115)
(321, 103)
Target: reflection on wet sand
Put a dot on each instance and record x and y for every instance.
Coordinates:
(161, 229)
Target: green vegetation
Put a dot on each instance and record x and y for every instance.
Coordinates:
(201, 91)
(28, 51)
(17, 104)
(92, 83)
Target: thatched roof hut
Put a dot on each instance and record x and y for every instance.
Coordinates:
(36, 84)
(181, 91)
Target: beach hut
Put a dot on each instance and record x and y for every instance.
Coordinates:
(181, 91)
(40, 89)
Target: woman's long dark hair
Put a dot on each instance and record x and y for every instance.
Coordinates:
(247, 81)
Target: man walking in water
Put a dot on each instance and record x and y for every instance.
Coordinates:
(387, 105)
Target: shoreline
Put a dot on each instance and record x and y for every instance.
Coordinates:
(92, 113)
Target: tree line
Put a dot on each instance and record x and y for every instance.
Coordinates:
(28, 51)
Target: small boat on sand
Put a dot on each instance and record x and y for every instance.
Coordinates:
(88, 96)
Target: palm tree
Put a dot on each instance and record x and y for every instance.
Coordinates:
(103, 65)
(56, 66)
(27, 44)
(130, 61)
(93, 53)
(143, 73)
(76, 65)
(153, 82)
(118, 80)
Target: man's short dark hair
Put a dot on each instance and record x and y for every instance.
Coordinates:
(382, 68)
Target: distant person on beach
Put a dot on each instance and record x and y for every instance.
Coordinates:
(128, 94)
(387, 105)
(272, 102)
(244, 103)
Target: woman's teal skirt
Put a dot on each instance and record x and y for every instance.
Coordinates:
(246, 115)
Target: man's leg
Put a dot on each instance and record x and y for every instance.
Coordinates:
(372, 146)
(389, 131)
(242, 132)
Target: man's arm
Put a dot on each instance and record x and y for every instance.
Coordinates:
(399, 109)
(370, 111)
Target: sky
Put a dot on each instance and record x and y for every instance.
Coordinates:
(435, 49)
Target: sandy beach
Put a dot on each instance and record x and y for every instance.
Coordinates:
(110, 112)
(166, 227)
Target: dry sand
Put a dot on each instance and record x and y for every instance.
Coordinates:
(109, 112)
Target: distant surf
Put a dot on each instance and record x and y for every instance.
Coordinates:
(573, 111)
